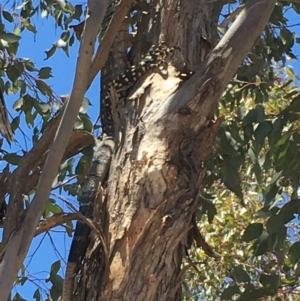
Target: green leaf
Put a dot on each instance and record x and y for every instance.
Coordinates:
(28, 25)
(44, 108)
(240, 275)
(56, 290)
(71, 189)
(251, 117)
(256, 115)
(270, 195)
(294, 106)
(283, 140)
(295, 252)
(290, 280)
(258, 95)
(23, 280)
(72, 40)
(61, 3)
(251, 293)
(61, 43)
(50, 52)
(248, 132)
(69, 228)
(29, 65)
(13, 73)
(260, 246)
(78, 124)
(207, 207)
(18, 104)
(260, 113)
(261, 132)
(37, 295)
(18, 297)
(85, 105)
(81, 166)
(78, 12)
(43, 87)
(52, 207)
(84, 123)
(45, 73)
(229, 292)
(291, 94)
(55, 267)
(276, 134)
(12, 158)
(276, 239)
(252, 231)
(66, 50)
(7, 16)
(56, 280)
(285, 35)
(270, 283)
(9, 37)
(224, 142)
(70, 164)
(274, 224)
(288, 211)
(30, 117)
(15, 123)
(231, 177)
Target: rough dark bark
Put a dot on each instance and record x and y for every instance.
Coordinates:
(167, 131)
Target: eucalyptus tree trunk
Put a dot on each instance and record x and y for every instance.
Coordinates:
(167, 129)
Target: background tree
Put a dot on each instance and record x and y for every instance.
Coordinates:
(175, 164)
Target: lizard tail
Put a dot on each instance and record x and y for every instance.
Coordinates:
(68, 286)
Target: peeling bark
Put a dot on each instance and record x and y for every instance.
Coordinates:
(167, 132)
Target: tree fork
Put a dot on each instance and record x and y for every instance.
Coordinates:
(156, 173)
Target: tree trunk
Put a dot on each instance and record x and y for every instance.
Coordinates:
(167, 131)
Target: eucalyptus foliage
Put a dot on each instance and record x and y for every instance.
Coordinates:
(250, 204)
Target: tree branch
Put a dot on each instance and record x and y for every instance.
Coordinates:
(214, 75)
(229, 19)
(20, 239)
(27, 174)
(54, 221)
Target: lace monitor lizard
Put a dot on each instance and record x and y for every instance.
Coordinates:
(96, 175)
(101, 161)
(100, 165)
(98, 171)
(155, 57)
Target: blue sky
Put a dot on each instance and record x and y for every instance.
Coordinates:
(49, 248)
